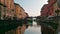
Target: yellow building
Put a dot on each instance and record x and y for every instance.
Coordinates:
(20, 14)
(17, 11)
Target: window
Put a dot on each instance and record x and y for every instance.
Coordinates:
(58, 3)
(5, 9)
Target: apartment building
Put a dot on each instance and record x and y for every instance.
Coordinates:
(48, 11)
(17, 11)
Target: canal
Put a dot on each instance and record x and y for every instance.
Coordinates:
(35, 29)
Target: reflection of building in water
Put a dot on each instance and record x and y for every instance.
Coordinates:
(35, 29)
(34, 23)
(20, 29)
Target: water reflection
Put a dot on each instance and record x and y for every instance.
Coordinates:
(33, 29)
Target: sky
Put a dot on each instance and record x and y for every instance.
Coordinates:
(32, 7)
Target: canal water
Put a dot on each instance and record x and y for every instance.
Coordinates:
(35, 29)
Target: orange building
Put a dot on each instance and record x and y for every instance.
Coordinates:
(20, 12)
(8, 10)
(2, 9)
(17, 11)
(2, 1)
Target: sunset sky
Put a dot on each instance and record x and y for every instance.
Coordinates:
(32, 7)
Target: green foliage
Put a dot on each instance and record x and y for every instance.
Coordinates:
(57, 11)
(52, 24)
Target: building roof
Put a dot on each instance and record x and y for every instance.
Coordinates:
(19, 5)
(44, 6)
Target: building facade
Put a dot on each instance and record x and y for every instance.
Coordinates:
(57, 7)
(48, 10)
(17, 11)
(20, 14)
(2, 9)
(9, 10)
(44, 10)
